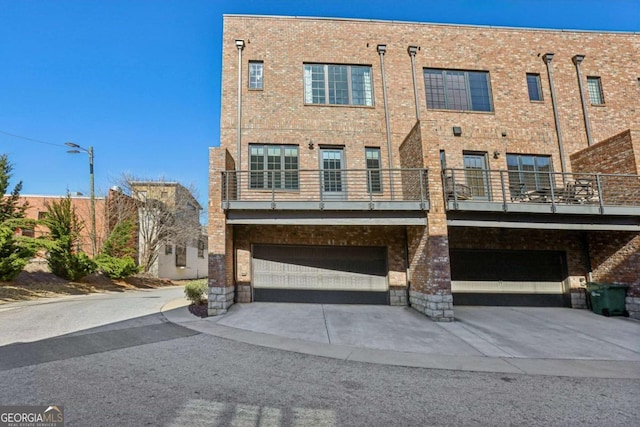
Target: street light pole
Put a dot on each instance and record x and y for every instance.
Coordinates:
(92, 205)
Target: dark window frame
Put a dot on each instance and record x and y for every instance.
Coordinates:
(200, 248)
(374, 169)
(534, 87)
(168, 249)
(274, 171)
(596, 94)
(338, 84)
(181, 255)
(535, 179)
(458, 90)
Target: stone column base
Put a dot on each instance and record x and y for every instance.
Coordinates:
(244, 293)
(579, 298)
(437, 307)
(398, 296)
(633, 307)
(220, 299)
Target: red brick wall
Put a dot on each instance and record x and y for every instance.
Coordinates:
(615, 257)
(277, 114)
(82, 205)
(618, 154)
(220, 234)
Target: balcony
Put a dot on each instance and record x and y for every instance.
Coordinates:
(601, 198)
(332, 195)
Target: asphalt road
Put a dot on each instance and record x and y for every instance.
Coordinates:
(145, 371)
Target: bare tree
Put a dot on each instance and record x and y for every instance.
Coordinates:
(165, 212)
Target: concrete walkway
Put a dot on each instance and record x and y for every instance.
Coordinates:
(513, 340)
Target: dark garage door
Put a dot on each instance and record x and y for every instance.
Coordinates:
(320, 274)
(517, 278)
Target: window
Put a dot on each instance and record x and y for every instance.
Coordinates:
(181, 256)
(374, 175)
(594, 87)
(530, 171)
(255, 75)
(458, 90)
(338, 84)
(535, 89)
(168, 249)
(28, 232)
(200, 248)
(273, 167)
(42, 215)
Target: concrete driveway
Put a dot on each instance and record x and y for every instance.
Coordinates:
(504, 332)
(516, 340)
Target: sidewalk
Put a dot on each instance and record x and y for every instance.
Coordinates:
(510, 340)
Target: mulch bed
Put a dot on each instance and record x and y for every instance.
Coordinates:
(200, 310)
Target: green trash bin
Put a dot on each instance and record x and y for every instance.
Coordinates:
(607, 299)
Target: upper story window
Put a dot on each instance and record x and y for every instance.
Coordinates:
(273, 167)
(374, 175)
(594, 87)
(458, 90)
(532, 172)
(534, 87)
(326, 84)
(255, 75)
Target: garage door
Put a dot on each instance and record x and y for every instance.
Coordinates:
(520, 278)
(320, 274)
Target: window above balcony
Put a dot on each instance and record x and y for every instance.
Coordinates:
(326, 84)
(458, 90)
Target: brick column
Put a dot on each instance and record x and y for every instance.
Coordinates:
(429, 265)
(221, 283)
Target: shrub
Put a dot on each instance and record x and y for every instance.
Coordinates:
(14, 254)
(196, 291)
(117, 268)
(64, 238)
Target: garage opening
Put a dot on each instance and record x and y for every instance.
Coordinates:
(320, 274)
(515, 278)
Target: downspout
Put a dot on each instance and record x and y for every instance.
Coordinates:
(577, 59)
(240, 46)
(412, 52)
(547, 59)
(382, 49)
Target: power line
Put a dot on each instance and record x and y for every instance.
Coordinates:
(31, 139)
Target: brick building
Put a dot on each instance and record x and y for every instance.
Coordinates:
(38, 206)
(431, 165)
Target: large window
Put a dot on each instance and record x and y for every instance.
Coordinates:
(529, 171)
(533, 85)
(338, 84)
(594, 87)
(374, 176)
(273, 167)
(458, 90)
(255, 75)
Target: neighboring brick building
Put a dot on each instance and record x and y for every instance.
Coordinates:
(176, 260)
(37, 207)
(432, 165)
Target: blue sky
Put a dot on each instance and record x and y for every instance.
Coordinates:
(139, 80)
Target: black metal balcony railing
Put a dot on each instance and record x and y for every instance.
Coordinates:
(339, 189)
(523, 191)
